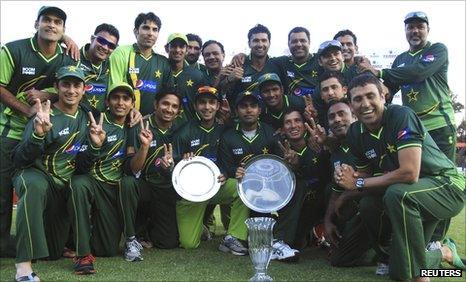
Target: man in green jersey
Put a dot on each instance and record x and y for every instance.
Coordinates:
(97, 196)
(213, 54)
(94, 63)
(194, 51)
(139, 66)
(27, 70)
(151, 160)
(349, 45)
(186, 79)
(201, 137)
(422, 186)
(275, 102)
(45, 158)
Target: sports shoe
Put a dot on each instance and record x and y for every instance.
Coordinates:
(382, 269)
(318, 233)
(147, 244)
(232, 245)
(133, 251)
(206, 235)
(282, 252)
(84, 265)
(434, 245)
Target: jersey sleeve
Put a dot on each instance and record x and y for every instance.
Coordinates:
(432, 61)
(227, 165)
(407, 128)
(118, 62)
(6, 66)
(30, 148)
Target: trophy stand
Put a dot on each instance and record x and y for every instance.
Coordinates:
(260, 245)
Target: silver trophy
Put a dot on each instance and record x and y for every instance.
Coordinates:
(260, 245)
(267, 186)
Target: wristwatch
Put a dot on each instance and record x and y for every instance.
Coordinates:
(359, 184)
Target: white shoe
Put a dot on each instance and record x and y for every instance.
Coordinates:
(282, 252)
(382, 269)
(133, 251)
(434, 245)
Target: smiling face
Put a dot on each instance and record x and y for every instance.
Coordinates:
(331, 89)
(416, 33)
(176, 50)
(293, 126)
(331, 60)
(367, 104)
(348, 48)
(272, 94)
(147, 34)
(299, 45)
(101, 50)
(206, 107)
(339, 119)
(50, 28)
(70, 91)
(259, 44)
(194, 51)
(120, 103)
(166, 108)
(213, 57)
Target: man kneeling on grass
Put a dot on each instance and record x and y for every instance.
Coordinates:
(422, 186)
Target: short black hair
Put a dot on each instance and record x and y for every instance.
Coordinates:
(346, 32)
(299, 29)
(332, 74)
(142, 18)
(168, 91)
(208, 42)
(194, 37)
(363, 80)
(112, 30)
(259, 29)
(343, 100)
(288, 110)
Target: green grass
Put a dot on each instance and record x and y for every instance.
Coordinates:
(207, 263)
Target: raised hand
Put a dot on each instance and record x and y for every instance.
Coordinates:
(310, 111)
(134, 117)
(316, 136)
(240, 172)
(188, 156)
(224, 112)
(96, 132)
(289, 155)
(72, 48)
(145, 135)
(42, 123)
(33, 94)
(167, 159)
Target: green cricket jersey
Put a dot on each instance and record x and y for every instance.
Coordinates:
(313, 167)
(401, 128)
(193, 137)
(107, 167)
(422, 78)
(236, 148)
(148, 76)
(55, 152)
(341, 155)
(199, 67)
(152, 170)
(276, 119)
(96, 79)
(24, 67)
(298, 80)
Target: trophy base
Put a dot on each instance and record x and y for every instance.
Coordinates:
(262, 277)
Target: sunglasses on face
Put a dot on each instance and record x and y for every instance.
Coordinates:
(102, 41)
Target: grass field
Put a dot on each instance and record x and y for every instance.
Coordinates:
(207, 263)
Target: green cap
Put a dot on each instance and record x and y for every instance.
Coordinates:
(268, 77)
(245, 94)
(70, 71)
(123, 86)
(52, 10)
(177, 35)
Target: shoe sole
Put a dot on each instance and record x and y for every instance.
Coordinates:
(294, 258)
(134, 260)
(85, 272)
(228, 250)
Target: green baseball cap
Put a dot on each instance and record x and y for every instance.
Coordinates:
(177, 35)
(243, 95)
(52, 10)
(73, 71)
(123, 86)
(416, 16)
(268, 77)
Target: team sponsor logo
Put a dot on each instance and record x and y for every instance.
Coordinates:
(29, 71)
(185, 100)
(84, 68)
(401, 65)
(146, 85)
(246, 79)
(290, 74)
(75, 148)
(211, 157)
(133, 70)
(111, 138)
(302, 91)
(404, 134)
(117, 154)
(153, 143)
(95, 89)
(238, 151)
(195, 142)
(371, 154)
(64, 131)
(428, 58)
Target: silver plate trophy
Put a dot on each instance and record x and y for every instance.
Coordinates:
(267, 186)
(196, 179)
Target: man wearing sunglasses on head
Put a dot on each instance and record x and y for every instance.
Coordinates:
(94, 63)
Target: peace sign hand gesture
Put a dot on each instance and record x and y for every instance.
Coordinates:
(167, 159)
(42, 123)
(289, 155)
(145, 136)
(96, 132)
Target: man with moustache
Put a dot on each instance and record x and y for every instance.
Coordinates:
(349, 46)
(194, 51)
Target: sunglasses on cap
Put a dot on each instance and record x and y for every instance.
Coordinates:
(102, 41)
(207, 90)
(416, 15)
